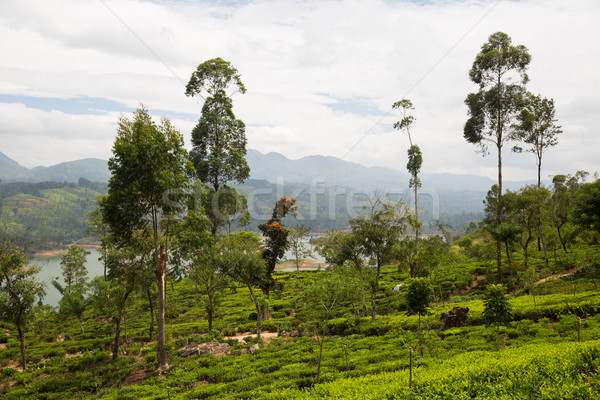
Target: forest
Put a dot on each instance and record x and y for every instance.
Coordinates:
(194, 304)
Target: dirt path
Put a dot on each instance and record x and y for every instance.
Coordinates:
(265, 336)
(553, 277)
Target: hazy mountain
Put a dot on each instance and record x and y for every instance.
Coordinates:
(274, 167)
(93, 169)
(11, 170)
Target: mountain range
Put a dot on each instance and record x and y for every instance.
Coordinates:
(273, 167)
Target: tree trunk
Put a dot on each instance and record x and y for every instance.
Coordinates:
(362, 290)
(510, 268)
(416, 211)
(562, 242)
(118, 324)
(159, 270)
(22, 345)
(210, 310)
(499, 211)
(420, 339)
(374, 288)
(499, 260)
(543, 245)
(258, 313)
(264, 311)
(151, 330)
(320, 356)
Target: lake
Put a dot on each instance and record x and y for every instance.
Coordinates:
(51, 269)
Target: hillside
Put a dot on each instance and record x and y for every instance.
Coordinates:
(48, 214)
(544, 352)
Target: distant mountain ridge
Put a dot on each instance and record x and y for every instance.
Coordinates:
(274, 167)
(92, 169)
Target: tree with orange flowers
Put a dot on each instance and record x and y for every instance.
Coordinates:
(276, 241)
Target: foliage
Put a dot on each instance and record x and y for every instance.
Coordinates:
(73, 266)
(18, 290)
(276, 237)
(378, 232)
(418, 296)
(149, 174)
(219, 139)
(298, 247)
(587, 207)
(497, 309)
(536, 127)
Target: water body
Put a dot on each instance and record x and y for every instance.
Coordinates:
(51, 269)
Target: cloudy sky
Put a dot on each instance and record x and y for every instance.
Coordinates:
(321, 75)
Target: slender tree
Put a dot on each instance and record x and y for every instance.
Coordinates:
(219, 138)
(378, 233)
(497, 310)
(323, 296)
(418, 299)
(537, 127)
(149, 174)
(500, 72)
(18, 290)
(337, 248)
(239, 257)
(276, 243)
(415, 157)
(297, 244)
(73, 266)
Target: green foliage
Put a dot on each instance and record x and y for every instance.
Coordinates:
(536, 127)
(418, 296)
(73, 266)
(18, 290)
(587, 208)
(497, 309)
(276, 235)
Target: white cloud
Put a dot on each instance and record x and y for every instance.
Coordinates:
(296, 58)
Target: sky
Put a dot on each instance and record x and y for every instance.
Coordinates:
(321, 76)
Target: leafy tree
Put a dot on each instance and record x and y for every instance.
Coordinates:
(73, 266)
(587, 206)
(323, 296)
(202, 266)
(276, 243)
(239, 257)
(536, 127)
(562, 204)
(298, 247)
(227, 206)
(126, 267)
(497, 310)
(500, 71)
(219, 138)
(74, 303)
(418, 299)
(378, 233)
(337, 248)
(18, 290)
(149, 171)
(524, 209)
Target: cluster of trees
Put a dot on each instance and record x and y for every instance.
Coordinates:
(535, 215)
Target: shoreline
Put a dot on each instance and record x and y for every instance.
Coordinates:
(56, 253)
